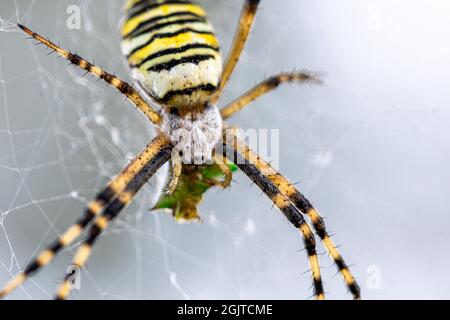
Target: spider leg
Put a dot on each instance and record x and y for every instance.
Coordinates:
(245, 24)
(319, 226)
(122, 86)
(265, 87)
(221, 161)
(111, 212)
(177, 167)
(246, 161)
(114, 187)
(304, 205)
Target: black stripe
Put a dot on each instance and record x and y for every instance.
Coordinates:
(95, 231)
(106, 195)
(56, 247)
(153, 20)
(355, 290)
(176, 50)
(31, 268)
(166, 35)
(301, 202)
(139, 32)
(189, 91)
(340, 263)
(267, 186)
(146, 5)
(318, 287)
(175, 62)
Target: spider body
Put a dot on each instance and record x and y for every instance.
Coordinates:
(174, 55)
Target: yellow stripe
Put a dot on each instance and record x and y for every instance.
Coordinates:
(313, 215)
(82, 255)
(314, 262)
(306, 231)
(347, 276)
(163, 10)
(96, 71)
(17, 281)
(280, 201)
(167, 20)
(70, 235)
(95, 207)
(130, 44)
(64, 290)
(331, 248)
(177, 56)
(45, 257)
(102, 223)
(126, 197)
(174, 42)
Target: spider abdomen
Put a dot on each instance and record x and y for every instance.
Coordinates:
(172, 50)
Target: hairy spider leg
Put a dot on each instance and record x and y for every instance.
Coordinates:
(123, 87)
(288, 190)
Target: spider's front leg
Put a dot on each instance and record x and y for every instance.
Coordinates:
(279, 188)
(265, 87)
(122, 86)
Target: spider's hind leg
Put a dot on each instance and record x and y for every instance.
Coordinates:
(103, 199)
(248, 163)
(263, 171)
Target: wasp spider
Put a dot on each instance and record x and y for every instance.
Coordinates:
(175, 57)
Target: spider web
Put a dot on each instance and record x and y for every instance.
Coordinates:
(62, 137)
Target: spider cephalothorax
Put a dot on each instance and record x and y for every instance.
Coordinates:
(174, 55)
(194, 135)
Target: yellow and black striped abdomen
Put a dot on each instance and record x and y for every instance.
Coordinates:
(172, 50)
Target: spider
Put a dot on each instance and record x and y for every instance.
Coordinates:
(175, 58)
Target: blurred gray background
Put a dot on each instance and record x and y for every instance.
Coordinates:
(370, 148)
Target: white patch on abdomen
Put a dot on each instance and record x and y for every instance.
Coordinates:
(194, 136)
